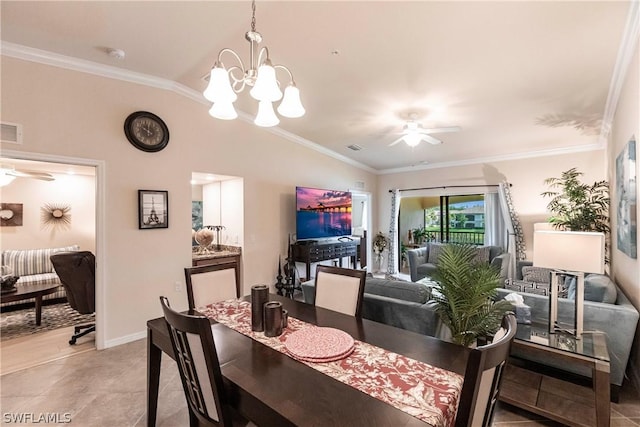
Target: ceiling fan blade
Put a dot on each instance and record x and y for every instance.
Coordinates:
(442, 130)
(430, 139)
(396, 141)
(31, 174)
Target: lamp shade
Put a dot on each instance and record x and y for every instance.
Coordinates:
(291, 106)
(266, 86)
(412, 139)
(266, 117)
(219, 88)
(579, 251)
(223, 110)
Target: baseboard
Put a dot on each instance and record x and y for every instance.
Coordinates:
(125, 339)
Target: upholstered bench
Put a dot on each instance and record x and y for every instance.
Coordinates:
(34, 267)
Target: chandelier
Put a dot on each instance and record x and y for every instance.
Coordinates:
(260, 75)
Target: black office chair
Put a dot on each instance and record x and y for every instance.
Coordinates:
(197, 359)
(482, 377)
(77, 272)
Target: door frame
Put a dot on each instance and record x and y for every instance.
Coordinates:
(369, 227)
(101, 312)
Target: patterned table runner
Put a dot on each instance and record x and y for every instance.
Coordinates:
(426, 392)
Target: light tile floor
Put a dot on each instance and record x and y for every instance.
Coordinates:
(108, 388)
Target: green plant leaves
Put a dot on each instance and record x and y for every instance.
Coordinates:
(466, 292)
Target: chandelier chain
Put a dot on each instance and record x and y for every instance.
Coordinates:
(253, 15)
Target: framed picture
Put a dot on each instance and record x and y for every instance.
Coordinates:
(10, 214)
(626, 225)
(153, 209)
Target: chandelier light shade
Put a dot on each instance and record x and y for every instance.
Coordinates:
(260, 75)
(412, 139)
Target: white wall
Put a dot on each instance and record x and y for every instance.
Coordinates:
(72, 114)
(626, 270)
(76, 191)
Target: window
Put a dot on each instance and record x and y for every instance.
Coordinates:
(458, 219)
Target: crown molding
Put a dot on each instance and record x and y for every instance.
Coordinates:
(517, 156)
(75, 64)
(625, 55)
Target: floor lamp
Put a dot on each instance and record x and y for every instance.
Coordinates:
(572, 253)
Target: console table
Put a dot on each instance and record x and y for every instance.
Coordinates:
(316, 252)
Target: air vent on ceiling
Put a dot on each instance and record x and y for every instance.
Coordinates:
(11, 133)
(354, 147)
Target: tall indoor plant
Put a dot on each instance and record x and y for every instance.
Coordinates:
(577, 206)
(465, 294)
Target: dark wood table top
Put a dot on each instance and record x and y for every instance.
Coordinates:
(29, 291)
(271, 388)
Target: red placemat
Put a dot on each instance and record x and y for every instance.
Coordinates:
(319, 344)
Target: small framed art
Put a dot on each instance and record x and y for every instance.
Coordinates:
(153, 209)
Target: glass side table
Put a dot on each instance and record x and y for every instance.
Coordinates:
(550, 395)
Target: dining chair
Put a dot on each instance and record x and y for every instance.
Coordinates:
(340, 289)
(207, 284)
(483, 375)
(199, 367)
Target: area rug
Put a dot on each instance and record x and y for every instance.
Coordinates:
(19, 323)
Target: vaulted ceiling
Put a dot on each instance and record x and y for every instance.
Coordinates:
(520, 78)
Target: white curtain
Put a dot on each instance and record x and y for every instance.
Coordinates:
(392, 265)
(495, 229)
(504, 200)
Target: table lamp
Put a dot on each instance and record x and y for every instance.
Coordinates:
(572, 253)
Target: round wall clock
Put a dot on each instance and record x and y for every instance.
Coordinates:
(146, 131)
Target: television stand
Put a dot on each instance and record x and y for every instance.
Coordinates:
(310, 253)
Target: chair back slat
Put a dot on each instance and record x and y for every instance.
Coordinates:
(198, 364)
(483, 376)
(340, 289)
(208, 284)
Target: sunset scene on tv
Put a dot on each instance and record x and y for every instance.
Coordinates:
(322, 213)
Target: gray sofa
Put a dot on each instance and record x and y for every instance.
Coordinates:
(422, 261)
(401, 304)
(617, 318)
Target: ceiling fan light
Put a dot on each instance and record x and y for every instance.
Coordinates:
(291, 106)
(219, 88)
(223, 110)
(412, 139)
(266, 86)
(5, 178)
(266, 117)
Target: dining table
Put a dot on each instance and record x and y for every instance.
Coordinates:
(271, 388)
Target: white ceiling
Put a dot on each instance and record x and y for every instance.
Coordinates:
(519, 77)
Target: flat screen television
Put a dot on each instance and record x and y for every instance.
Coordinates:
(322, 213)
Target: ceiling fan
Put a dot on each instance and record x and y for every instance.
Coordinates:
(9, 173)
(413, 133)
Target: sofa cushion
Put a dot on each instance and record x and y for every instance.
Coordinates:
(536, 274)
(38, 279)
(597, 287)
(32, 261)
(435, 249)
(426, 270)
(407, 291)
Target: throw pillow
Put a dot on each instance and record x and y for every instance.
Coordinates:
(527, 287)
(482, 254)
(435, 249)
(597, 287)
(536, 274)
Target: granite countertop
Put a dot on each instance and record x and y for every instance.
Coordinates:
(212, 252)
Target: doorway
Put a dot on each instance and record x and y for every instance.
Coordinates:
(71, 175)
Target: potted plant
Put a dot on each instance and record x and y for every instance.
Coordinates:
(577, 206)
(465, 295)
